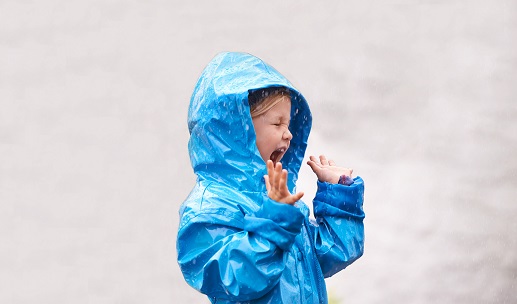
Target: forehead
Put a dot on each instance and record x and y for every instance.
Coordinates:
(282, 107)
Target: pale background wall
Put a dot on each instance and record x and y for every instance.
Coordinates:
(417, 96)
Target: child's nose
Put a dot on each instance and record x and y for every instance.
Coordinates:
(287, 135)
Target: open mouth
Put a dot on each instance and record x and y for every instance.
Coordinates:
(277, 155)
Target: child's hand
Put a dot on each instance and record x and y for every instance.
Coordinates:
(276, 184)
(327, 171)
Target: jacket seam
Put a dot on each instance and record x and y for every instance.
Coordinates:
(229, 214)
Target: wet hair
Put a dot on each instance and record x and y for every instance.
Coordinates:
(256, 99)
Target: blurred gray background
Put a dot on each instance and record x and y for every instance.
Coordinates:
(419, 97)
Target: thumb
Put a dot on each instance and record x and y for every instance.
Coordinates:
(315, 168)
(294, 198)
(298, 196)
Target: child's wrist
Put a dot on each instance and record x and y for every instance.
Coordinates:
(345, 180)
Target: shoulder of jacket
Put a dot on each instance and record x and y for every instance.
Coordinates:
(211, 202)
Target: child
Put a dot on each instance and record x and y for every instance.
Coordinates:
(244, 237)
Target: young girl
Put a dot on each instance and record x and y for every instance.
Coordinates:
(244, 234)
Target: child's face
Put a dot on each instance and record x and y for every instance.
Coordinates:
(272, 130)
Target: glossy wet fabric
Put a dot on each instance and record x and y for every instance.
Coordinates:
(234, 243)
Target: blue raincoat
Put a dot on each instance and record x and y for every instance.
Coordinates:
(234, 243)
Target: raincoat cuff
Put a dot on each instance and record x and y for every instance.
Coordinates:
(279, 223)
(340, 200)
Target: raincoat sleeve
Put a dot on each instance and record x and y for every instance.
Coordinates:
(225, 252)
(339, 232)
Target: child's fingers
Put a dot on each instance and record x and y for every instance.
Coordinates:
(314, 166)
(331, 163)
(323, 160)
(283, 181)
(270, 172)
(278, 175)
(316, 161)
(269, 166)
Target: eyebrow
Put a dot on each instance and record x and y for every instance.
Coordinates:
(281, 117)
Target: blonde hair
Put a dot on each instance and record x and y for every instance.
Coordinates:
(263, 100)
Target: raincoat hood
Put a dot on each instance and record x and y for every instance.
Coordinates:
(222, 143)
